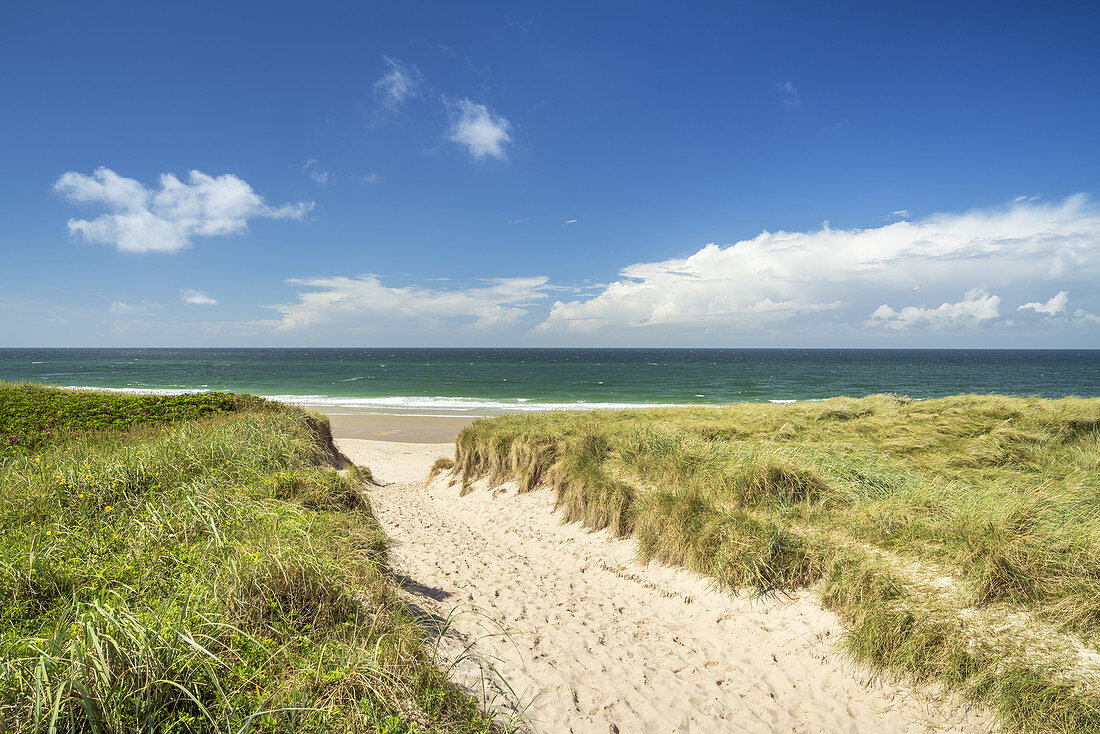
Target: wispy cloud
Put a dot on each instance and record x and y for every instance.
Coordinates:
(166, 219)
(400, 83)
(365, 301)
(196, 298)
(480, 130)
(314, 170)
(567, 222)
(788, 95)
(858, 277)
(121, 308)
(371, 177)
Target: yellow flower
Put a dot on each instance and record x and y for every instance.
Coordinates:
(80, 496)
(33, 523)
(47, 532)
(107, 508)
(37, 459)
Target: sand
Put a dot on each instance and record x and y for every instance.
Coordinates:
(579, 637)
(406, 428)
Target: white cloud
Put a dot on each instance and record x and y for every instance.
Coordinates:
(314, 171)
(482, 132)
(196, 298)
(1084, 317)
(568, 222)
(1056, 305)
(165, 220)
(788, 95)
(121, 308)
(365, 302)
(399, 83)
(975, 307)
(370, 178)
(836, 277)
(899, 214)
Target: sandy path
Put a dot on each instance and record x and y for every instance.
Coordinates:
(599, 643)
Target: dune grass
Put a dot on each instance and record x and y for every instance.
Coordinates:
(206, 573)
(959, 539)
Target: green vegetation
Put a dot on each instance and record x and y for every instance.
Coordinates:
(172, 572)
(959, 539)
(33, 416)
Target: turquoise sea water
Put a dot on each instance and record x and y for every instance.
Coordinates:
(490, 381)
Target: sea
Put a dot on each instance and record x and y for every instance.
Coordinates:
(481, 382)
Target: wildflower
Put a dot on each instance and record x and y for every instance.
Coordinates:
(107, 508)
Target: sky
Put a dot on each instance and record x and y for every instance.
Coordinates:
(550, 174)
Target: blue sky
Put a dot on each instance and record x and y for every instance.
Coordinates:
(804, 174)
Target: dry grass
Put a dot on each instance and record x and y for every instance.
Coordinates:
(959, 538)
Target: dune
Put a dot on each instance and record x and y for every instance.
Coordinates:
(564, 628)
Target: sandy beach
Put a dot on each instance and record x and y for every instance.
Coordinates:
(563, 627)
(407, 428)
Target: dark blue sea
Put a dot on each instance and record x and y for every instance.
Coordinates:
(491, 381)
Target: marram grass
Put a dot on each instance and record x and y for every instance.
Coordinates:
(203, 575)
(959, 538)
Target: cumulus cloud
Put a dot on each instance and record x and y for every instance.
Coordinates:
(977, 306)
(839, 276)
(400, 83)
(1056, 305)
(196, 298)
(139, 219)
(480, 130)
(365, 301)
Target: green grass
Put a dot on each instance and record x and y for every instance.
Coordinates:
(34, 416)
(959, 539)
(206, 573)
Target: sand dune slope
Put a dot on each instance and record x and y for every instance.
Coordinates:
(599, 643)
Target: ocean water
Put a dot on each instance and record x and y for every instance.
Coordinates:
(462, 382)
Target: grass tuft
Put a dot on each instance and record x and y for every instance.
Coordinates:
(958, 538)
(211, 574)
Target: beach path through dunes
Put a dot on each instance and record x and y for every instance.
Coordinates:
(585, 639)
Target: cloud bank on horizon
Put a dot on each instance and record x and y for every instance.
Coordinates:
(879, 278)
(859, 276)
